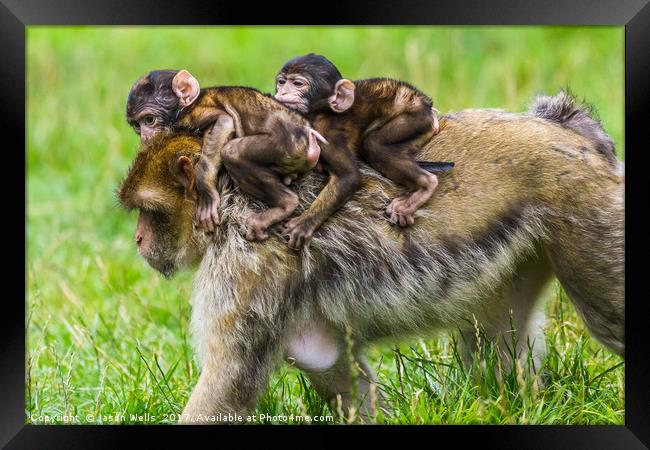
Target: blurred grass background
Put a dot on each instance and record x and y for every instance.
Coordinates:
(107, 335)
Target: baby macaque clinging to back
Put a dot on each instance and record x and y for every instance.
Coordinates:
(383, 121)
(263, 144)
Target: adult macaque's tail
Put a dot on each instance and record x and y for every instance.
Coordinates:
(581, 118)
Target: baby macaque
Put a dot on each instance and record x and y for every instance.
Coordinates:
(383, 121)
(263, 144)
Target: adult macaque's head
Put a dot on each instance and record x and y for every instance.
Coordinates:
(156, 99)
(161, 185)
(310, 83)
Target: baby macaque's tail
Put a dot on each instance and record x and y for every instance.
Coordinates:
(436, 166)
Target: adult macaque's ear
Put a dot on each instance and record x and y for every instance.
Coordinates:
(183, 170)
(186, 87)
(343, 96)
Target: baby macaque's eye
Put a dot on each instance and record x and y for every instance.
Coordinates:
(280, 82)
(149, 120)
(298, 83)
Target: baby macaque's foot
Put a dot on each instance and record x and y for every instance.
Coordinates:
(300, 231)
(401, 211)
(254, 228)
(207, 212)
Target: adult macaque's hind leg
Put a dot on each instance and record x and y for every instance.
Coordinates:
(391, 150)
(590, 264)
(516, 318)
(250, 161)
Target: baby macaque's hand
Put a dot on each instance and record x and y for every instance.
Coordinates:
(207, 213)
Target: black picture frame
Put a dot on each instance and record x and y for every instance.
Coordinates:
(15, 15)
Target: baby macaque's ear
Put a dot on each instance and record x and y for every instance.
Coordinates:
(186, 87)
(183, 170)
(343, 96)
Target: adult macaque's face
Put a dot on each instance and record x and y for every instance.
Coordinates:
(160, 186)
(156, 240)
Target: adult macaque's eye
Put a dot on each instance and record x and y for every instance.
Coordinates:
(149, 120)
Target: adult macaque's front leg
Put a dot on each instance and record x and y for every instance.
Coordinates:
(214, 139)
(205, 404)
(241, 353)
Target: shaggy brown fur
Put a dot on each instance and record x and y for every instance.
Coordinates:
(530, 197)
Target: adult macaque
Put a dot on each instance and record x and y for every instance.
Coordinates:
(263, 144)
(531, 198)
(384, 121)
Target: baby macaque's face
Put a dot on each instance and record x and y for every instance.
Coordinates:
(312, 83)
(156, 99)
(292, 91)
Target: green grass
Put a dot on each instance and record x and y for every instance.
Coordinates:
(108, 336)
